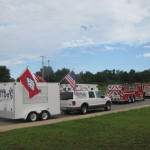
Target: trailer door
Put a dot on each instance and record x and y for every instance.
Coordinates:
(7, 100)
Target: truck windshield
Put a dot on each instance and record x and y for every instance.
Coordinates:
(66, 95)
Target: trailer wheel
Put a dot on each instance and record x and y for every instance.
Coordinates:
(107, 106)
(44, 115)
(32, 116)
(84, 109)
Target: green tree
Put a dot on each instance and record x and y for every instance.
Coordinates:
(5, 74)
(60, 74)
(49, 75)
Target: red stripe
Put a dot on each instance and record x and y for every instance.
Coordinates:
(71, 81)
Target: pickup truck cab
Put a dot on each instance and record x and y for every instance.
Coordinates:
(83, 101)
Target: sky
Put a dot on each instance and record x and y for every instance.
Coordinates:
(83, 35)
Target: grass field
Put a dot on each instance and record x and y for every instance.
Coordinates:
(118, 131)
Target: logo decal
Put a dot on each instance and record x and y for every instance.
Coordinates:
(30, 83)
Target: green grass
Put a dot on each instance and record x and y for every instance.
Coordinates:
(117, 131)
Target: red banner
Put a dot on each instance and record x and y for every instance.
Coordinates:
(29, 83)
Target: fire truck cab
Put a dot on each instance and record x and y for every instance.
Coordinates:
(126, 92)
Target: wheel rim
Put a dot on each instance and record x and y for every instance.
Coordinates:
(129, 100)
(44, 115)
(108, 106)
(33, 117)
(84, 110)
(133, 100)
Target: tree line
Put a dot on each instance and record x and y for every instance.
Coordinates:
(104, 77)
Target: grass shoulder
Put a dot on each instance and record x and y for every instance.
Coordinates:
(123, 130)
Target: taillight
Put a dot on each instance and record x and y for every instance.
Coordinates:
(73, 103)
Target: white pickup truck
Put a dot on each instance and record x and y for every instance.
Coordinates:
(83, 101)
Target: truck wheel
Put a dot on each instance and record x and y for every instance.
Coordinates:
(144, 97)
(44, 115)
(108, 106)
(84, 109)
(133, 99)
(32, 116)
(129, 100)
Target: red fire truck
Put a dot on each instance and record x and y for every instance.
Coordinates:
(126, 92)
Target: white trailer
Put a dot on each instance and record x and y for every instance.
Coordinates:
(16, 104)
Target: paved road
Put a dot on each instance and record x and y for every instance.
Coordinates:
(121, 106)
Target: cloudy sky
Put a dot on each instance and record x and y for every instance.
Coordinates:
(84, 35)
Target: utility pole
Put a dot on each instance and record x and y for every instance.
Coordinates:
(43, 57)
(48, 69)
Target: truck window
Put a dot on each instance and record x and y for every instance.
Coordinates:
(91, 94)
(66, 95)
(98, 94)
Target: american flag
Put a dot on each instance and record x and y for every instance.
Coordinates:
(70, 78)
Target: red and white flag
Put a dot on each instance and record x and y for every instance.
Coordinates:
(38, 78)
(28, 82)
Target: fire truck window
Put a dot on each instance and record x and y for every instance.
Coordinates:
(91, 94)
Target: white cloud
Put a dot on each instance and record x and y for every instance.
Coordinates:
(139, 56)
(19, 59)
(147, 46)
(108, 48)
(146, 55)
(42, 27)
(78, 43)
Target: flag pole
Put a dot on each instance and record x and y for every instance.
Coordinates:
(64, 77)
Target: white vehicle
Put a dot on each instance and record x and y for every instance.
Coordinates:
(84, 100)
(147, 89)
(80, 87)
(16, 104)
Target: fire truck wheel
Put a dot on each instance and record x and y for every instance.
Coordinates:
(129, 100)
(144, 97)
(108, 106)
(32, 116)
(133, 99)
(84, 109)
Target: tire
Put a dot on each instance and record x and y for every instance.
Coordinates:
(84, 109)
(44, 115)
(133, 99)
(129, 100)
(32, 117)
(144, 97)
(108, 106)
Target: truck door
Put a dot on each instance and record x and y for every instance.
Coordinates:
(100, 98)
(93, 100)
